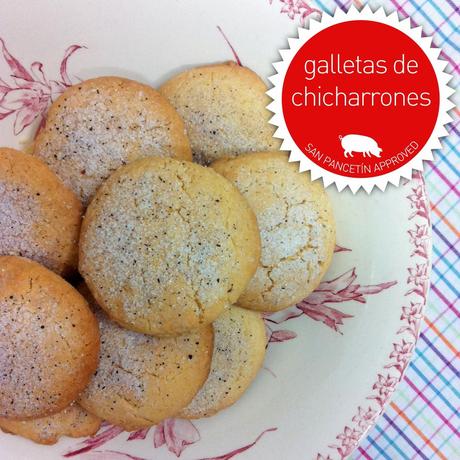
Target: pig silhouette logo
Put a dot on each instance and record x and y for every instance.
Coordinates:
(359, 144)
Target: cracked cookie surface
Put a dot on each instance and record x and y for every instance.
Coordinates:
(167, 245)
(141, 379)
(73, 421)
(238, 354)
(100, 124)
(296, 226)
(224, 110)
(49, 340)
(39, 217)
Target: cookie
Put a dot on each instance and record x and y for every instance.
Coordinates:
(224, 110)
(73, 421)
(100, 124)
(141, 379)
(49, 340)
(239, 351)
(296, 226)
(39, 217)
(166, 245)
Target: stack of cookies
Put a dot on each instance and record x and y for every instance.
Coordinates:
(139, 245)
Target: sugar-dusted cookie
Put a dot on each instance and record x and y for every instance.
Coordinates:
(166, 245)
(141, 379)
(239, 351)
(73, 421)
(296, 226)
(224, 110)
(49, 340)
(98, 125)
(39, 217)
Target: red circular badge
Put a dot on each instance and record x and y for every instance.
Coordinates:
(360, 99)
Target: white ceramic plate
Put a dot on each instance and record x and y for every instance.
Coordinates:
(334, 360)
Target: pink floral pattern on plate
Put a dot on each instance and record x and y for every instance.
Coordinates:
(298, 9)
(174, 434)
(343, 288)
(29, 93)
(108, 433)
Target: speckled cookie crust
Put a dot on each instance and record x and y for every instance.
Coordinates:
(224, 110)
(167, 245)
(39, 217)
(296, 226)
(49, 340)
(100, 124)
(73, 421)
(239, 351)
(141, 379)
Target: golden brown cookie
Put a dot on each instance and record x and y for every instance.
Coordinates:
(100, 124)
(39, 217)
(224, 110)
(73, 421)
(49, 340)
(166, 245)
(296, 226)
(141, 379)
(239, 351)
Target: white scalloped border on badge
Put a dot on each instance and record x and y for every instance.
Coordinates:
(282, 132)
